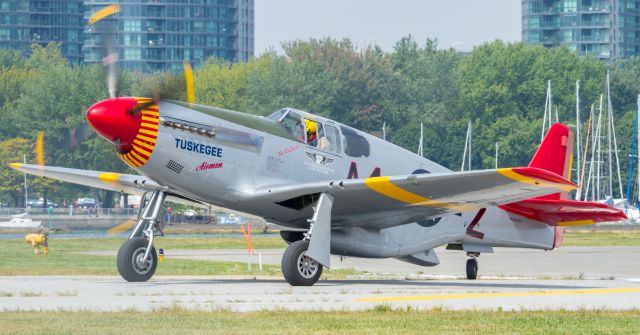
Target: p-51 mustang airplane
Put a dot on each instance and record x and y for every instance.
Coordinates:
(305, 172)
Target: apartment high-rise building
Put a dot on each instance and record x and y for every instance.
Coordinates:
(154, 35)
(605, 29)
(25, 22)
(150, 35)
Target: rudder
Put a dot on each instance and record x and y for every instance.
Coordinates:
(555, 154)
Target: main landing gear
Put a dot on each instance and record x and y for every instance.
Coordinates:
(472, 266)
(303, 260)
(137, 258)
(298, 268)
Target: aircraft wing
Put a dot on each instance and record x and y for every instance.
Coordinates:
(118, 182)
(435, 194)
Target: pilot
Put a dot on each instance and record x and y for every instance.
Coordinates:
(312, 138)
(324, 144)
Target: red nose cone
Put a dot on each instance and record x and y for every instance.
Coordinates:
(115, 120)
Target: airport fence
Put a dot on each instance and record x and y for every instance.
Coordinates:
(216, 217)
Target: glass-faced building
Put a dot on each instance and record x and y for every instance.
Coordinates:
(25, 22)
(155, 35)
(605, 29)
(150, 35)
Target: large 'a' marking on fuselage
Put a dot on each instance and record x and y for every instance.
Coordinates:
(353, 171)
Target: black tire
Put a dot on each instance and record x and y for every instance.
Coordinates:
(297, 268)
(472, 269)
(129, 255)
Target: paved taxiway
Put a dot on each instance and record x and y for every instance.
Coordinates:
(539, 280)
(238, 294)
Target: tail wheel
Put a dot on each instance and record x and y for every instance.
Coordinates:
(131, 263)
(472, 268)
(298, 268)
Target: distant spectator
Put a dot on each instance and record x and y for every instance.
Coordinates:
(169, 211)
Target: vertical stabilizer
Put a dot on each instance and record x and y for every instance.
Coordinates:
(555, 154)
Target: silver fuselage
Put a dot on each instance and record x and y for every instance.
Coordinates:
(248, 155)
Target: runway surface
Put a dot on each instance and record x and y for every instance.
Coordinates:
(245, 294)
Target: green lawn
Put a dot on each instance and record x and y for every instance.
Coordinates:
(65, 257)
(377, 321)
(595, 238)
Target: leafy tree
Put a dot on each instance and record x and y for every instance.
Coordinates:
(11, 182)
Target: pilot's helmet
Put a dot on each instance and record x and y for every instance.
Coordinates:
(311, 127)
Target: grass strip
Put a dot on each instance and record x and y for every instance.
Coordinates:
(380, 320)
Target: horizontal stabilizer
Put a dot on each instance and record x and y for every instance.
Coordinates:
(565, 212)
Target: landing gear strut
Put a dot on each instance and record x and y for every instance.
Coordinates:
(137, 258)
(303, 260)
(472, 266)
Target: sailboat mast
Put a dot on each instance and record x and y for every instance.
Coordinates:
(599, 139)
(26, 194)
(615, 142)
(631, 159)
(496, 155)
(470, 137)
(420, 148)
(638, 144)
(589, 188)
(549, 104)
(584, 160)
(547, 112)
(578, 133)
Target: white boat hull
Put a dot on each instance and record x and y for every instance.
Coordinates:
(23, 224)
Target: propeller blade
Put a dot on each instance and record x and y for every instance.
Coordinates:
(140, 106)
(188, 76)
(103, 13)
(40, 148)
(110, 44)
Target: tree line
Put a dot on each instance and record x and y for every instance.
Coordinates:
(500, 87)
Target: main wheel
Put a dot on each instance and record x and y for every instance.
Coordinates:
(131, 263)
(298, 268)
(472, 268)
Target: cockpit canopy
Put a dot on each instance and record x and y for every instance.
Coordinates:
(322, 135)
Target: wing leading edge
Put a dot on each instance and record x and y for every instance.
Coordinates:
(126, 183)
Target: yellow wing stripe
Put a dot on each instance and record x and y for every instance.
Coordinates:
(509, 173)
(384, 186)
(110, 178)
(576, 223)
(146, 112)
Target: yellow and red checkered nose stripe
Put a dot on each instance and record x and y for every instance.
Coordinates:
(145, 140)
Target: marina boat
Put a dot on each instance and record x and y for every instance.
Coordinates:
(20, 221)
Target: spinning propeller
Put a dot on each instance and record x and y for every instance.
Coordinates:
(127, 122)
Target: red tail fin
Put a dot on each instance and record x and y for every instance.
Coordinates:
(555, 154)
